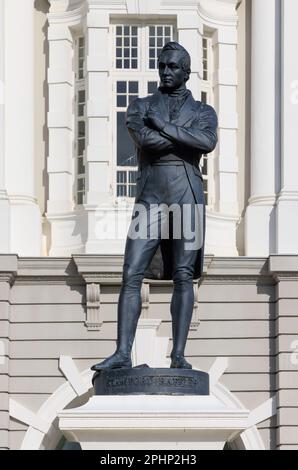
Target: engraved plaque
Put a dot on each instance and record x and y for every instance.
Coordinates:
(142, 381)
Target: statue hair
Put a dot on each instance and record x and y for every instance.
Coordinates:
(185, 59)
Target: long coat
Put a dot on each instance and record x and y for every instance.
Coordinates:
(191, 134)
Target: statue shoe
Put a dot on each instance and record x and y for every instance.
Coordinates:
(179, 362)
(116, 361)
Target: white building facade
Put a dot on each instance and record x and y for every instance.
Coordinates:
(69, 69)
(74, 187)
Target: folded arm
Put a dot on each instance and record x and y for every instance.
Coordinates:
(200, 136)
(144, 137)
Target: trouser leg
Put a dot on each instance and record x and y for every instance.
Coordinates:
(181, 309)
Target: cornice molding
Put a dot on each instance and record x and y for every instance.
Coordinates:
(217, 13)
(67, 15)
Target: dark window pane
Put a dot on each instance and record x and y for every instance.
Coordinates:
(118, 41)
(126, 30)
(121, 176)
(159, 31)
(81, 110)
(81, 146)
(134, 52)
(118, 52)
(134, 42)
(151, 53)
(80, 197)
(126, 41)
(81, 129)
(205, 75)
(81, 166)
(134, 64)
(121, 191)
(151, 87)
(152, 42)
(132, 190)
(81, 42)
(126, 64)
(167, 39)
(152, 31)
(119, 30)
(132, 176)
(160, 42)
(119, 64)
(167, 31)
(81, 184)
(152, 64)
(125, 148)
(205, 185)
(133, 87)
(81, 96)
(121, 101)
(134, 31)
(205, 166)
(121, 87)
(126, 52)
(204, 97)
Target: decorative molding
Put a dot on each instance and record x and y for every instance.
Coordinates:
(65, 394)
(217, 369)
(71, 373)
(265, 411)
(94, 319)
(8, 268)
(142, 7)
(26, 416)
(217, 13)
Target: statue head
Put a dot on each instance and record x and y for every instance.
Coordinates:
(173, 65)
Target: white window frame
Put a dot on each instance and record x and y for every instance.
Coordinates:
(207, 87)
(143, 74)
(80, 84)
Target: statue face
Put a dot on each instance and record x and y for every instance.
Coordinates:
(171, 74)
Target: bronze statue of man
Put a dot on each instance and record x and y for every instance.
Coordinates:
(171, 131)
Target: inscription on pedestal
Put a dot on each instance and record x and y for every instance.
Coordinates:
(151, 381)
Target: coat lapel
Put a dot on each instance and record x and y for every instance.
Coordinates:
(159, 102)
(187, 112)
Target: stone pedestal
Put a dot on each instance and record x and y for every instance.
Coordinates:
(153, 422)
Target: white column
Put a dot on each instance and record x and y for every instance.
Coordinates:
(190, 31)
(19, 128)
(287, 207)
(99, 131)
(4, 201)
(60, 120)
(225, 92)
(260, 214)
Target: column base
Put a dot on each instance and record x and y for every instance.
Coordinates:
(26, 229)
(287, 226)
(260, 223)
